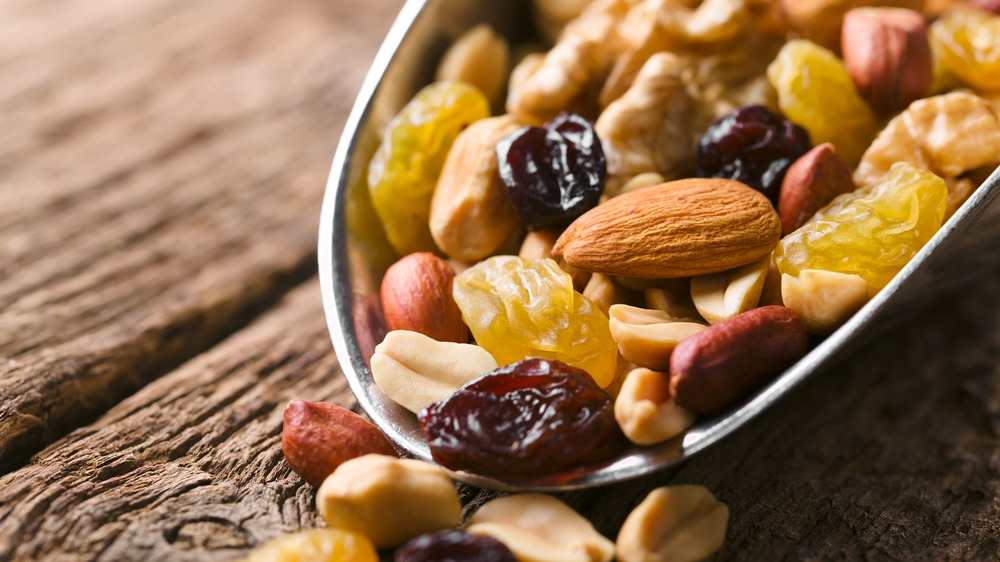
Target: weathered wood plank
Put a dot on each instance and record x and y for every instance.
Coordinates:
(891, 455)
(190, 467)
(161, 169)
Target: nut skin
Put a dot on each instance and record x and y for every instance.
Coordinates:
(712, 369)
(318, 437)
(888, 55)
(987, 5)
(820, 20)
(416, 296)
(675, 229)
(811, 182)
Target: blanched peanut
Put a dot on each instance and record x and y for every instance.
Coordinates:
(540, 528)
(672, 296)
(648, 337)
(673, 524)
(389, 500)
(645, 411)
(479, 57)
(719, 296)
(823, 300)
(413, 370)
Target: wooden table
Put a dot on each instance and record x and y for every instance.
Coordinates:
(161, 169)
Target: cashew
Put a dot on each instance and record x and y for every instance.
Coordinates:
(645, 411)
(389, 500)
(948, 134)
(642, 180)
(648, 337)
(824, 300)
(414, 370)
(471, 216)
(673, 524)
(540, 528)
(719, 296)
(479, 57)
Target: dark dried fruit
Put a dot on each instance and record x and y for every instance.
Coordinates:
(554, 173)
(454, 546)
(529, 418)
(754, 146)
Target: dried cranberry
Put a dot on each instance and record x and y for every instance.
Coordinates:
(553, 173)
(754, 146)
(454, 546)
(529, 418)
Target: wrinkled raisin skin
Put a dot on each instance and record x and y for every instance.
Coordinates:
(454, 546)
(530, 418)
(554, 173)
(754, 146)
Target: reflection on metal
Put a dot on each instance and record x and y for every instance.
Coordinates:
(957, 255)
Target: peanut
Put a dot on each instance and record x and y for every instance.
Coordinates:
(644, 410)
(540, 528)
(648, 337)
(673, 524)
(712, 369)
(389, 500)
(414, 370)
(824, 300)
(719, 296)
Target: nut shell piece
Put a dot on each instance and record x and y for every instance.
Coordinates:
(676, 229)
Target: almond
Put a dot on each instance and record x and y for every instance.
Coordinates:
(317, 437)
(676, 229)
(416, 296)
(810, 183)
(888, 55)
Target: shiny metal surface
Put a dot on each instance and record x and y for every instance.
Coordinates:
(958, 254)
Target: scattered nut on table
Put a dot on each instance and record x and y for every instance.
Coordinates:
(389, 500)
(673, 524)
(540, 528)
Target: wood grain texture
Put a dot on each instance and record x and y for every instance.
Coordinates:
(161, 170)
(188, 468)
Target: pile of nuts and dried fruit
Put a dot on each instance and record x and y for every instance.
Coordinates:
(679, 195)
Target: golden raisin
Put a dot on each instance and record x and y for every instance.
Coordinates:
(872, 232)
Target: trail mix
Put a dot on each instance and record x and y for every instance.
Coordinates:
(674, 199)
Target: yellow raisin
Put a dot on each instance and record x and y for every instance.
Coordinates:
(816, 92)
(317, 545)
(405, 168)
(965, 43)
(519, 308)
(872, 232)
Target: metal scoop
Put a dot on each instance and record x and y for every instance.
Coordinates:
(958, 254)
